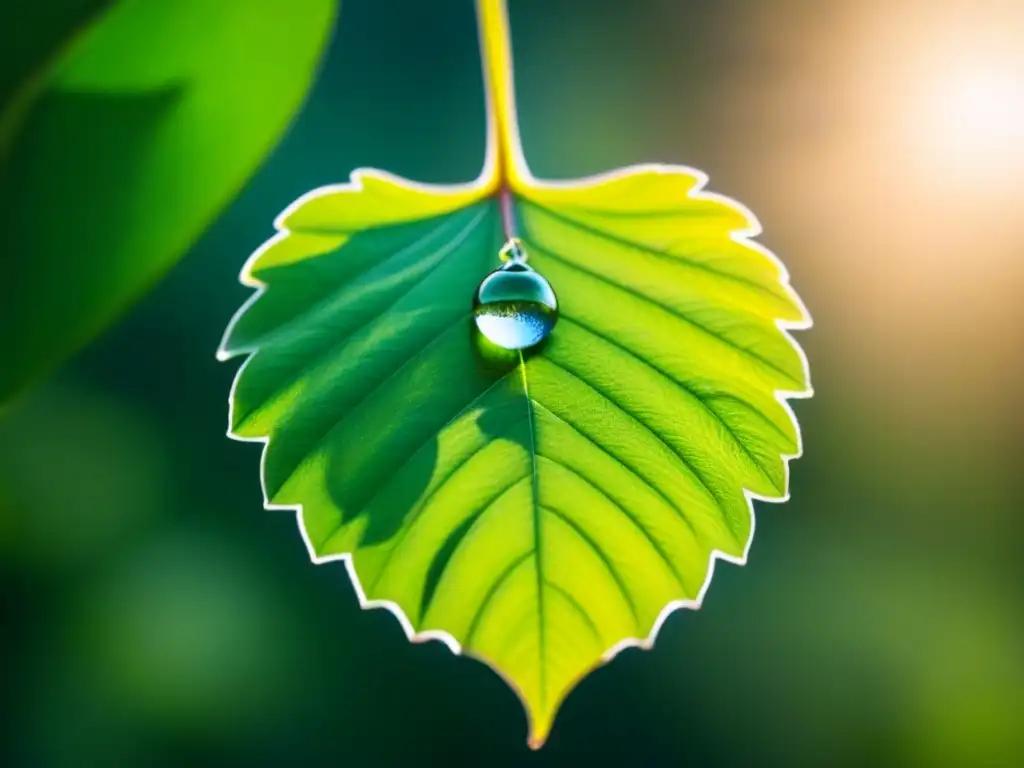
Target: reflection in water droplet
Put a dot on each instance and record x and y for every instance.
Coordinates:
(515, 307)
(515, 324)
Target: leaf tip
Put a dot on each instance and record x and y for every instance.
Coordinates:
(540, 724)
(539, 733)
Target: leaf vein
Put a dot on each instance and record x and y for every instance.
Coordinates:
(476, 516)
(396, 472)
(629, 516)
(643, 481)
(578, 608)
(334, 347)
(646, 248)
(422, 507)
(722, 338)
(601, 554)
(537, 535)
(488, 597)
(696, 396)
(282, 332)
(672, 449)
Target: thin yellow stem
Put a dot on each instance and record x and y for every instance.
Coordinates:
(503, 150)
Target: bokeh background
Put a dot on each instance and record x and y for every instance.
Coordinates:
(155, 614)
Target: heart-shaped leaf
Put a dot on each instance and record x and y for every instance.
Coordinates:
(128, 131)
(539, 511)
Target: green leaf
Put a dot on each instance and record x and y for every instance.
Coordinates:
(118, 149)
(539, 512)
(31, 44)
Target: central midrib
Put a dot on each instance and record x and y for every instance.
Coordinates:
(538, 541)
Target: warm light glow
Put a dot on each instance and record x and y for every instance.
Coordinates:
(889, 156)
(977, 117)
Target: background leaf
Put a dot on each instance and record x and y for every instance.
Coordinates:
(139, 133)
(539, 513)
(32, 44)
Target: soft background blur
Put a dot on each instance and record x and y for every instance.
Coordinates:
(155, 614)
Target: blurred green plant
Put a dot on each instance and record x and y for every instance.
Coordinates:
(124, 131)
(541, 510)
(114, 478)
(187, 612)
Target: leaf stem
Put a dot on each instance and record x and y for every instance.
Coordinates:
(507, 208)
(505, 167)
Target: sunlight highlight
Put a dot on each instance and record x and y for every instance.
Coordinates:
(977, 117)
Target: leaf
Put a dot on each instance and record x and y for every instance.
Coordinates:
(538, 512)
(31, 42)
(118, 149)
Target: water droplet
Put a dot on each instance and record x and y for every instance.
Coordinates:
(515, 307)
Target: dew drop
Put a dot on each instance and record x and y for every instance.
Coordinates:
(515, 307)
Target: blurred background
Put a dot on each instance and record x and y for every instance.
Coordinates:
(155, 614)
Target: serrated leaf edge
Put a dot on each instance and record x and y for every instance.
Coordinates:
(505, 171)
(484, 185)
